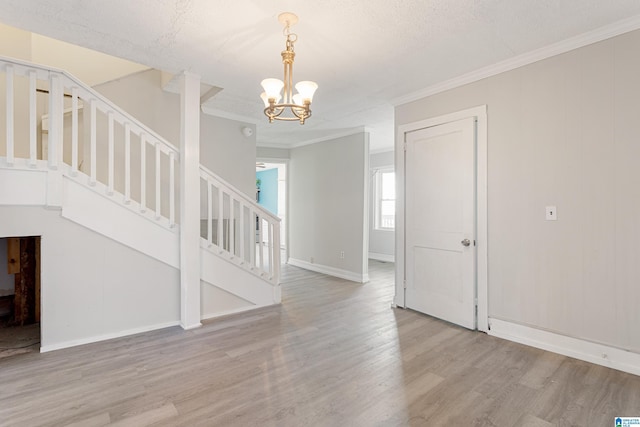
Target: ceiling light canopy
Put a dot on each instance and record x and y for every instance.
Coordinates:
(293, 107)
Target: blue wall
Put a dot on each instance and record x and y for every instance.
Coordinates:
(269, 190)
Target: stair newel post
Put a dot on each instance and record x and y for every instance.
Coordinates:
(74, 131)
(209, 212)
(55, 120)
(189, 200)
(232, 226)
(172, 189)
(252, 237)
(158, 181)
(276, 253)
(260, 224)
(243, 234)
(127, 163)
(93, 141)
(33, 120)
(143, 173)
(10, 121)
(220, 239)
(110, 159)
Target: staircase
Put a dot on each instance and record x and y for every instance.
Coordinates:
(102, 190)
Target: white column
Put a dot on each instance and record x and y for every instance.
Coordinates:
(189, 200)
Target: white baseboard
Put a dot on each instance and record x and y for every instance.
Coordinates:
(105, 337)
(235, 311)
(331, 271)
(382, 257)
(192, 326)
(599, 354)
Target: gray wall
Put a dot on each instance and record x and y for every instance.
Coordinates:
(272, 153)
(141, 95)
(328, 188)
(564, 132)
(227, 152)
(381, 242)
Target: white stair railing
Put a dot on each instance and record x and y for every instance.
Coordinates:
(55, 122)
(238, 228)
(149, 183)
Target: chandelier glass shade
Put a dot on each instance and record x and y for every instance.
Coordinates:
(294, 107)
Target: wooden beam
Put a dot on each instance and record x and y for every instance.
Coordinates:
(13, 255)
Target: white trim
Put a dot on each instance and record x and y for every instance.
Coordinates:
(324, 138)
(330, 137)
(377, 199)
(82, 341)
(285, 223)
(272, 145)
(231, 116)
(236, 311)
(190, 327)
(480, 113)
(600, 34)
(600, 354)
(382, 257)
(330, 271)
(277, 160)
(381, 150)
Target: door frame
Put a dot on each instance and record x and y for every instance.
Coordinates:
(480, 114)
(285, 162)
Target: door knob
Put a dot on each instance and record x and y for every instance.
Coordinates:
(466, 242)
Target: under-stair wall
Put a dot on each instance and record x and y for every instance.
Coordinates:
(93, 287)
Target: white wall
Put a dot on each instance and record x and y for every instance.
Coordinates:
(328, 206)
(15, 43)
(7, 281)
(381, 242)
(564, 132)
(88, 65)
(93, 287)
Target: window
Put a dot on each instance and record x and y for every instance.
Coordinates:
(385, 198)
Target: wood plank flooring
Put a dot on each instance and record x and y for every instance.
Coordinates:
(333, 354)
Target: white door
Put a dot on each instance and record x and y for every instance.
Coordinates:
(440, 222)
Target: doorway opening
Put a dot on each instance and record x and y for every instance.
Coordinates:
(19, 295)
(271, 193)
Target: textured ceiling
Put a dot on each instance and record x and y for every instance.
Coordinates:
(362, 53)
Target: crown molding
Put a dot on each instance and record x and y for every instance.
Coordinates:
(382, 150)
(328, 137)
(336, 135)
(231, 116)
(585, 39)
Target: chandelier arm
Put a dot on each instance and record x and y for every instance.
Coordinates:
(273, 111)
(299, 112)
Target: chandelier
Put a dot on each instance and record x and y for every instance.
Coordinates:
(293, 107)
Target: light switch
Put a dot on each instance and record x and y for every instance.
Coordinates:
(552, 213)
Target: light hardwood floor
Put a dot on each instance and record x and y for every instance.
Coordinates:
(333, 354)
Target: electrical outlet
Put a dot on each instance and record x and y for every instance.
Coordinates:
(341, 254)
(311, 260)
(552, 213)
